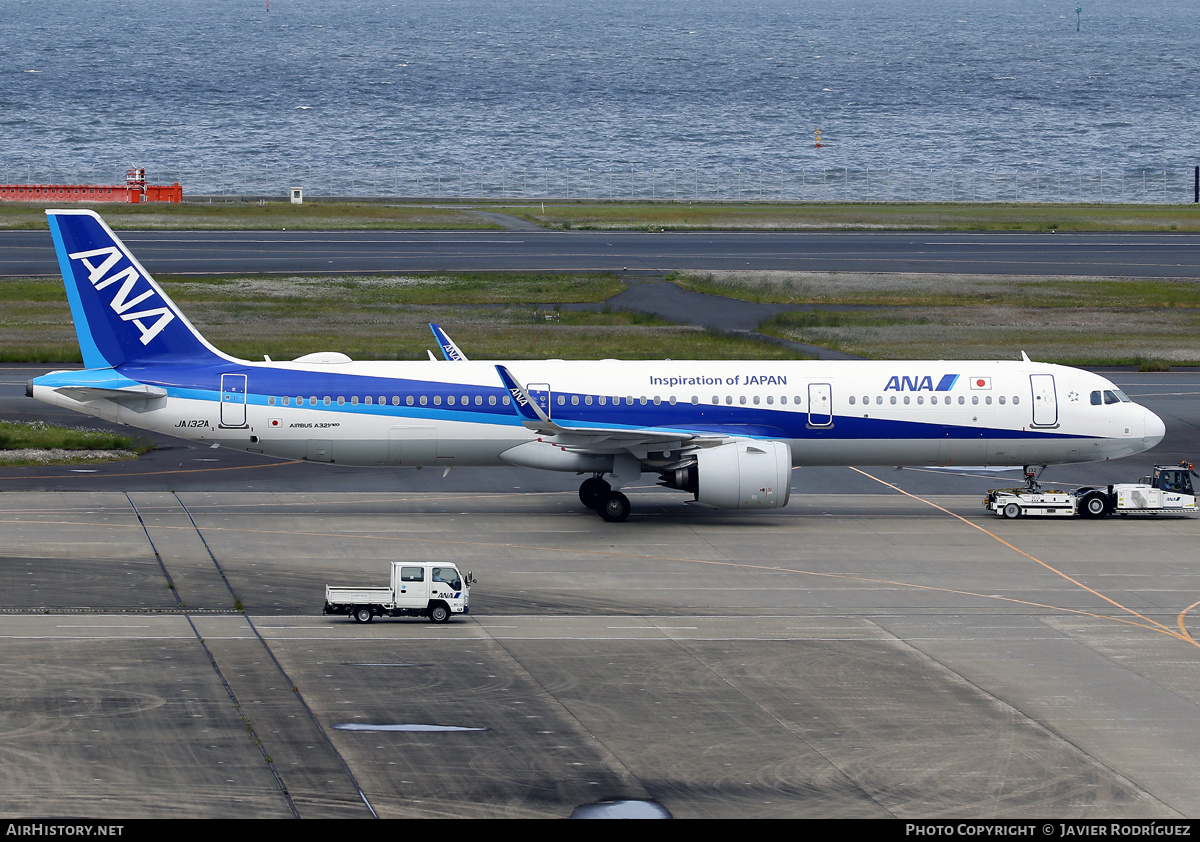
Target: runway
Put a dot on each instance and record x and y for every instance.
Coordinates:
(860, 653)
(644, 253)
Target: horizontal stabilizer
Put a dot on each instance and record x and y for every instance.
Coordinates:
(83, 394)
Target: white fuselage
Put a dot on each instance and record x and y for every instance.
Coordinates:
(458, 413)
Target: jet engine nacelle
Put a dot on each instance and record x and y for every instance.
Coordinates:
(738, 475)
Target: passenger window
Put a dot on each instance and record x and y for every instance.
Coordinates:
(852, 399)
(1002, 400)
(437, 400)
(271, 400)
(424, 400)
(408, 400)
(892, 400)
(449, 400)
(491, 400)
(574, 400)
(975, 400)
(562, 400)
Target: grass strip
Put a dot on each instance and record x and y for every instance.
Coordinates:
(382, 214)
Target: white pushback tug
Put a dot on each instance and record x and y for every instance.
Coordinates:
(1167, 490)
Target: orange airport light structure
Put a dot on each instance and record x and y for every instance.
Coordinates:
(134, 191)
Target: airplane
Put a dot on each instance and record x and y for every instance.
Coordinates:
(728, 432)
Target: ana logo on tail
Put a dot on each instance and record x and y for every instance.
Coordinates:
(121, 301)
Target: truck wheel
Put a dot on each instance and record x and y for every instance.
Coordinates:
(1094, 506)
(363, 615)
(438, 613)
(1012, 510)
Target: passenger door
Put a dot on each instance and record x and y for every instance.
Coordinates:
(233, 400)
(820, 405)
(1045, 401)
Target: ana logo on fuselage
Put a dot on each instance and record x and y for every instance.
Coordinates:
(121, 302)
(920, 384)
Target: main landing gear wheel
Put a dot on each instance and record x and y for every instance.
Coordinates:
(615, 507)
(592, 491)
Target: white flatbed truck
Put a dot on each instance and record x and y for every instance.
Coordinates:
(419, 589)
(1168, 490)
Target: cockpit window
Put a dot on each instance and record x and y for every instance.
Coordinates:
(1109, 396)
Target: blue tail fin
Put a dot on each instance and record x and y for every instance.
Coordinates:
(121, 315)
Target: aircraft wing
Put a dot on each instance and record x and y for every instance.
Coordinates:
(598, 439)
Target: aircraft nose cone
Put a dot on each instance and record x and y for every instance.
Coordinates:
(1155, 429)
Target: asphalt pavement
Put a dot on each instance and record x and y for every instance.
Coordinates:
(633, 253)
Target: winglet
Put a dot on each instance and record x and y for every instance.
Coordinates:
(450, 351)
(526, 406)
